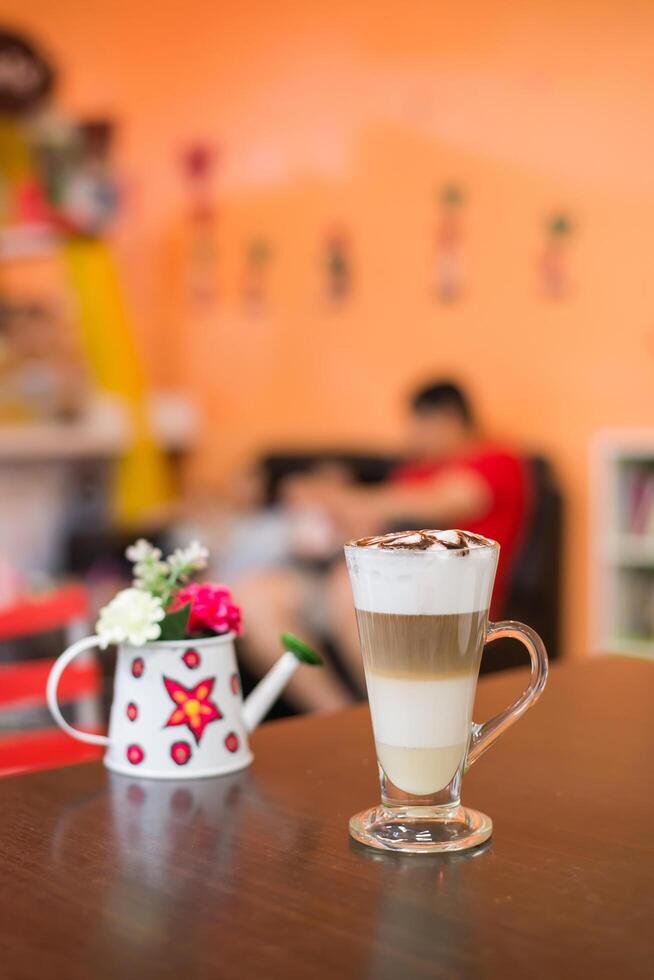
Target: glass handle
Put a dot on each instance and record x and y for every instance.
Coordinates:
(483, 736)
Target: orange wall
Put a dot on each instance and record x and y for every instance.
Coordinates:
(356, 111)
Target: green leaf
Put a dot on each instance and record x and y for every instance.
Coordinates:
(300, 649)
(175, 624)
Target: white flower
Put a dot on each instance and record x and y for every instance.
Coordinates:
(192, 558)
(132, 616)
(197, 555)
(150, 571)
(142, 550)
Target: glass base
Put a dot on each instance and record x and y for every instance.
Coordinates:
(421, 830)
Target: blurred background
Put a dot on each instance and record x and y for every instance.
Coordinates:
(236, 239)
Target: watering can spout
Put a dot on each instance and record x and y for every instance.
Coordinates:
(261, 699)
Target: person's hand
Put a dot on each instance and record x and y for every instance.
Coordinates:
(354, 511)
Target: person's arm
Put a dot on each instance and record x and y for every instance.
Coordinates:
(447, 500)
(459, 495)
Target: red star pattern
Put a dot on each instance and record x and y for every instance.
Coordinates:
(193, 706)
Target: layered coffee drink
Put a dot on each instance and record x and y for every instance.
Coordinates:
(421, 601)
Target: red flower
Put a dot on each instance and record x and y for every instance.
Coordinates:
(212, 608)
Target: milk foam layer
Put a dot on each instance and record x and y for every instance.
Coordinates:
(421, 713)
(435, 580)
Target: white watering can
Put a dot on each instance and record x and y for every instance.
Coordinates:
(177, 711)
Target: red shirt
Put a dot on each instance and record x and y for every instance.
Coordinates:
(508, 481)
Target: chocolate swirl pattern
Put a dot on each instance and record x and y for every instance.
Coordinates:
(424, 540)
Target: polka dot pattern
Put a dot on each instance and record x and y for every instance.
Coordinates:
(231, 742)
(192, 659)
(180, 753)
(135, 754)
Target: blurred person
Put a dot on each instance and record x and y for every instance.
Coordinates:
(265, 551)
(453, 476)
(245, 535)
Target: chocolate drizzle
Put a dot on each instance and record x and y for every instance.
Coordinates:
(425, 540)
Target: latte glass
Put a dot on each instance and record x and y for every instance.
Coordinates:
(422, 613)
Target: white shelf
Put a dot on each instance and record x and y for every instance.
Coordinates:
(624, 444)
(621, 563)
(104, 431)
(630, 646)
(636, 550)
(28, 241)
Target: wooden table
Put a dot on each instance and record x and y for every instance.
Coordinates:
(254, 876)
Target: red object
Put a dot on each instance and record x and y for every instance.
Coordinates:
(212, 608)
(132, 711)
(234, 684)
(39, 614)
(138, 666)
(194, 708)
(22, 684)
(508, 481)
(31, 204)
(42, 749)
(198, 160)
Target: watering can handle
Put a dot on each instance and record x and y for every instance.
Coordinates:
(59, 666)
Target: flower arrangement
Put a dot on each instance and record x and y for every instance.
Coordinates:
(164, 604)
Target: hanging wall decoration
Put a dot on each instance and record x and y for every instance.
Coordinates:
(448, 262)
(337, 266)
(76, 165)
(26, 82)
(26, 78)
(198, 163)
(553, 266)
(255, 277)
